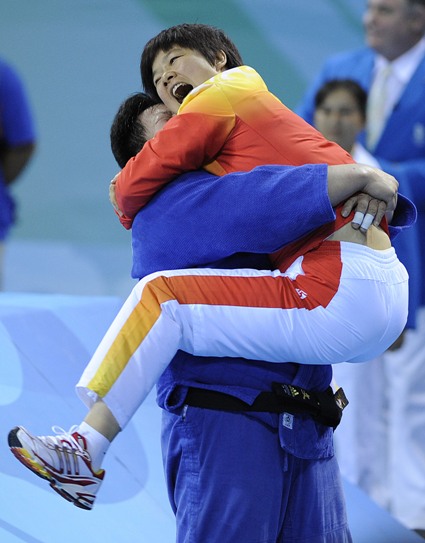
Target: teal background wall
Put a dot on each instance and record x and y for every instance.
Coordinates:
(79, 60)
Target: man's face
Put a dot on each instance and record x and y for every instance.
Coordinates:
(339, 118)
(176, 72)
(154, 118)
(390, 27)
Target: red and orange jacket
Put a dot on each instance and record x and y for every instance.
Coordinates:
(230, 123)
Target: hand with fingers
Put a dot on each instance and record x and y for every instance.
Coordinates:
(368, 211)
(377, 197)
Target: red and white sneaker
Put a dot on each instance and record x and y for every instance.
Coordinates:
(62, 459)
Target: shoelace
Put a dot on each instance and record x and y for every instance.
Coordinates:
(63, 439)
(67, 448)
(65, 442)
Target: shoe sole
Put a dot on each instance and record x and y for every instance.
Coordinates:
(38, 469)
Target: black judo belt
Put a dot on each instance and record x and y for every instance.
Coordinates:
(325, 407)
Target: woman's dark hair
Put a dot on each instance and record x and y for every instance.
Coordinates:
(206, 40)
(356, 91)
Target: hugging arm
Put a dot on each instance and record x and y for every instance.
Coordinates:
(200, 218)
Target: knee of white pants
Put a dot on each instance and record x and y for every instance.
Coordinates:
(182, 316)
(394, 316)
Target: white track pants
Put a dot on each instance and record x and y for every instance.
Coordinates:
(340, 302)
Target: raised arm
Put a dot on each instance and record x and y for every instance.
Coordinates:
(189, 141)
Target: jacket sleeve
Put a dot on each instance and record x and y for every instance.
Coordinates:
(189, 141)
(410, 175)
(200, 218)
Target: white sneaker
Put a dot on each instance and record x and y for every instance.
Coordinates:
(62, 459)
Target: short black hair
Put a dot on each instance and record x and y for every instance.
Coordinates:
(127, 132)
(206, 40)
(351, 86)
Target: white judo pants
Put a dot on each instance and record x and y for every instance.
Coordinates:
(342, 302)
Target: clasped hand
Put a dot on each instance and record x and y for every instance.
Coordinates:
(377, 199)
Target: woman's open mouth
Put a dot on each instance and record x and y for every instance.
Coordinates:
(180, 91)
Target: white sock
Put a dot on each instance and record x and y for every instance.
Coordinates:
(97, 444)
